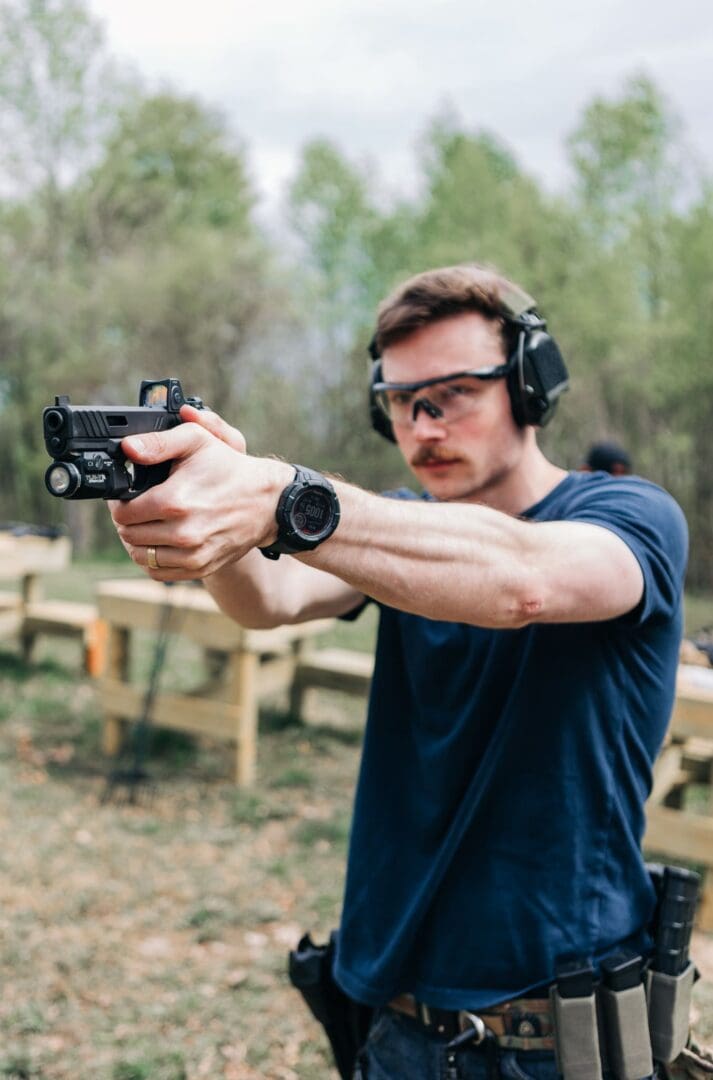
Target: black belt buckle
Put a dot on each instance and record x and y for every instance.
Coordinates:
(459, 1027)
(439, 1021)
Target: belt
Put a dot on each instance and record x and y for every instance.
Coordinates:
(521, 1024)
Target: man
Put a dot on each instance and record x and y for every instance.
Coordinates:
(529, 628)
(607, 456)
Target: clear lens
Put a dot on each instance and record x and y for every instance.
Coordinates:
(453, 399)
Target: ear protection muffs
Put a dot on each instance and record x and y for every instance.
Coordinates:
(535, 379)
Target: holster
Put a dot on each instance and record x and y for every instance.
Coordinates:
(346, 1022)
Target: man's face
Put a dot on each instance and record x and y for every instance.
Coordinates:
(469, 457)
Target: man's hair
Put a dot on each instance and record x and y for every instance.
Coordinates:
(442, 293)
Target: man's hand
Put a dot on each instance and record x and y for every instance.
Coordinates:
(217, 504)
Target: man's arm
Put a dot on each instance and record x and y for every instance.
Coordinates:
(468, 563)
(455, 561)
(261, 594)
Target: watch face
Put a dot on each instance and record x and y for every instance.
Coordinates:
(312, 513)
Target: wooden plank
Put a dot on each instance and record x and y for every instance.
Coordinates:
(179, 712)
(704, 918)
(336, 669)
(667, 771)
(694, 680)
(692, 717)
(281, 638)
(241, 688)
(58, 617)
(275, 675)
(23, 555)
(137, 604)
(697, 760)
(118, 662)
(680, 834)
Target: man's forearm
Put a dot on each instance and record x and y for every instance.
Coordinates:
(260, 593)
(245, 591)
(468, 563)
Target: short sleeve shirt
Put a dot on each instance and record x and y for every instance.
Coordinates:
(500, 805)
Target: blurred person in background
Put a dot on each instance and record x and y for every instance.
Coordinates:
(530, 621)
(607, 456)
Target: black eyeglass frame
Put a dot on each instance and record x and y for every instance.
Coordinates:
(497, 371)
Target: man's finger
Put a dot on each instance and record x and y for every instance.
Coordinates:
(215, 424)
(155, 446)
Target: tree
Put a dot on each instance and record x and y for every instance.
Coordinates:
(168, 164)
(624, 154)
(58, 92)
(348, 246)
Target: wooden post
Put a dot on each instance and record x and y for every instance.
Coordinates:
(31, 592)
(95, 639)
(297, 687)
(118, 658)
(242, 691)
(704, 920)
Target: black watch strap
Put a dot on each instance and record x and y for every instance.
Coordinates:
(307, 514)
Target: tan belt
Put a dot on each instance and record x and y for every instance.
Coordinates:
(521, 1024)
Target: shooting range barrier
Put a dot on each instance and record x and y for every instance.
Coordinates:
(25, 614)
(241, 667)
(686, 759)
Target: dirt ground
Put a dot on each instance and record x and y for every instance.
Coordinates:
(150, 941)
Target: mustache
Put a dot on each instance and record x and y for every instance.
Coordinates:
(426, 455)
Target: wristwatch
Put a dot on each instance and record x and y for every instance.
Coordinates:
(307, 514)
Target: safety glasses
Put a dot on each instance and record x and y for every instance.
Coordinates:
(449, 397)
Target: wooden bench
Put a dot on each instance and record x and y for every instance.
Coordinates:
(330, 669)
(241, 666)
(335, 669)
(687, 758)
(10, 614)
(25, 614)
(66, 619)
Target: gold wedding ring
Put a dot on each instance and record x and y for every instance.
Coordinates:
(151, 558)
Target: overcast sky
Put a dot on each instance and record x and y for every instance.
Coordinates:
(371, 73)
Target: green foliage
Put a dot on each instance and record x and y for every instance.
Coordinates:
(58, 90)
(623, 151)
(168, 164)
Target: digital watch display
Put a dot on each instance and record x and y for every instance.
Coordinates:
(307, 514)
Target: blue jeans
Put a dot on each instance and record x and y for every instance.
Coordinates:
(398, 1048)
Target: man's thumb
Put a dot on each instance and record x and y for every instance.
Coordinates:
(213, 423)
(152, 447)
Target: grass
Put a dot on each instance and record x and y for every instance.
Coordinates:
(150, 941)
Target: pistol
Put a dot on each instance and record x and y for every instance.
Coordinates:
(84, 442)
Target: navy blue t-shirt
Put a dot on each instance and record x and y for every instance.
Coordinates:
(499, 809)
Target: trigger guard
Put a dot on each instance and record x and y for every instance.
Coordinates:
(145, 477)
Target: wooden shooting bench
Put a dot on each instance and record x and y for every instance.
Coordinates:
(241, 666)
(686, 759)
(25, 613)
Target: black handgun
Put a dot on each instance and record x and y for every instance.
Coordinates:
(84, 442)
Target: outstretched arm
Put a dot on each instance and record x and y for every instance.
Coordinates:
(457, 562)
